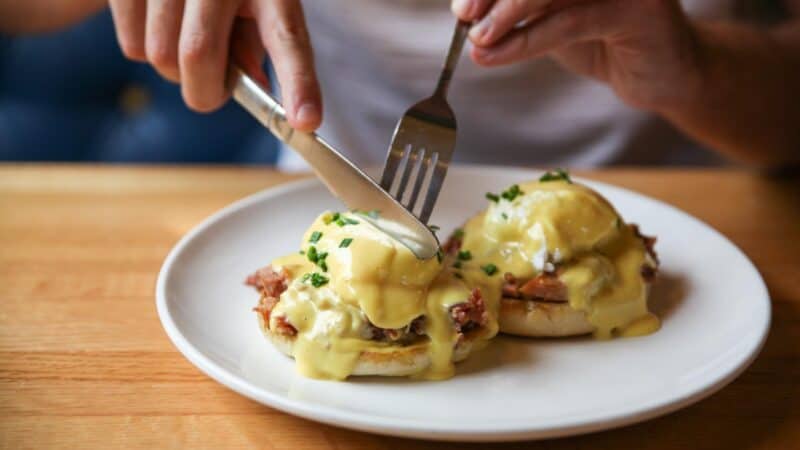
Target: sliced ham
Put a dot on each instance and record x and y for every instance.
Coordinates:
(545, 286)
(270, 284)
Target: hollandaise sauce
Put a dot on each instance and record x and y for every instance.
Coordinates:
(350, 275)
(565, 228)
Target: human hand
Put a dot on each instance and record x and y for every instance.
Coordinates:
(191, 41)
(646, 50)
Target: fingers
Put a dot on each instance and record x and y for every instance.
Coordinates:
(503, 17)
(129, 18)
(248, 51)
(578, 23)
(188, 41)
(162, 31)
(506, 16)
(469, 10)
(285, 36)
(203, 52)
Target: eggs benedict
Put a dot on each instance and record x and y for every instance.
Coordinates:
(354, 301)
(570, 265)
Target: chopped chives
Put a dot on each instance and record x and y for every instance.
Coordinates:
(311, 254)
(490, 269)
(342, 221)
(331, 218)
(316, 279)
(345, 242)
(315, 237)
(321, 261)
(556, 175)
(511, 193)
(464, 255)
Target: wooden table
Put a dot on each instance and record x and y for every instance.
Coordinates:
(85, 364)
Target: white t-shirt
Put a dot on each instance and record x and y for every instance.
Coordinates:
(375, 58)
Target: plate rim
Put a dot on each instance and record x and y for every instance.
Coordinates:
(410, 428)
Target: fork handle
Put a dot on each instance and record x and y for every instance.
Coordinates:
(453, 55)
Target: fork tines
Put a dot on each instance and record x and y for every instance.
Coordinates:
(417, 163)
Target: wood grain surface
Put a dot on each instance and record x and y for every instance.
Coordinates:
(85, 364)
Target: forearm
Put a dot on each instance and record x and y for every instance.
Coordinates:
(43, 15)
(749, 104)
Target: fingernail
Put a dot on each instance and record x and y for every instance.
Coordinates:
(461, 8)
(307, 113)
(479, 30)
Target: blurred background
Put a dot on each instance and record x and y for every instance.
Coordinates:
(72, 96)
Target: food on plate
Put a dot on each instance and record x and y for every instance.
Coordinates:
(354, 301)
(570, 264)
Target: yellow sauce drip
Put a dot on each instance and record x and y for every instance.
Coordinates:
(570, 227)
(371, 278)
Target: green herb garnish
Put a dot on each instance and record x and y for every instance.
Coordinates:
(457, 264)
(317, 258)
(464, 255)
(458, 234)
(504, 216)
(316, 279)
(331, 218)
(342, 221)
(492, 197)
(315, 237)
(321, 261)
(556, 175)
(311, 254)
(345, 242)
(490, 269)
(511, 193)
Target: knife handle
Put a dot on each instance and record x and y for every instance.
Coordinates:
(255, 99)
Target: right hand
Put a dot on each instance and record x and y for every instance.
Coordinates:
(190, 42)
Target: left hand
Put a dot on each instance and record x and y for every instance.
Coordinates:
(646, 50)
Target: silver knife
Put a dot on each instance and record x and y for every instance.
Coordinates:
(344, 179)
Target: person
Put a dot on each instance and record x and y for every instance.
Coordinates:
(555, 82)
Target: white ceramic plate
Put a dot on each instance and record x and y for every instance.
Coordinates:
(714, 305)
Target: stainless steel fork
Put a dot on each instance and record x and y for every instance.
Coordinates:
(424, 141)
